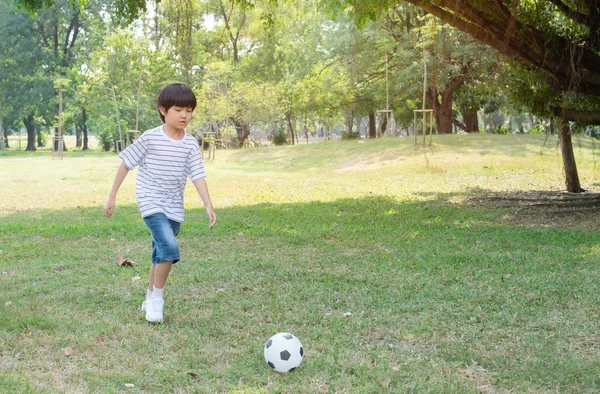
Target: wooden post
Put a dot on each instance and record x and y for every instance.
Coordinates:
(424, 92)
(59, 138)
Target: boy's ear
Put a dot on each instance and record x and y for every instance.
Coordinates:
(162, 110)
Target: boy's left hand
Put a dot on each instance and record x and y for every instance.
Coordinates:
(212, 217)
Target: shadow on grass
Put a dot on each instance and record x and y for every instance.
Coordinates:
(367, 280)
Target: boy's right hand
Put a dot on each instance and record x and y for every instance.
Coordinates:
(109, 207)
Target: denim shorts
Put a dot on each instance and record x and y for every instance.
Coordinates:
(164, 243)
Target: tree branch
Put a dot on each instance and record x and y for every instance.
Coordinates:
(581, 117)
(524, 43)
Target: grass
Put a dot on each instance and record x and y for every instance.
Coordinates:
(443, 297)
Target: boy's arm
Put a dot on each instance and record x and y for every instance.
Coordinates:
(202, 189)
(109, 207)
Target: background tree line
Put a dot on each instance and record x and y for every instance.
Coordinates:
(299, 69)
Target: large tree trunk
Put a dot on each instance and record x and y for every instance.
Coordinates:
(30, 126)
(569, 166)
(470, 120)
(442, 110)
(372, 125)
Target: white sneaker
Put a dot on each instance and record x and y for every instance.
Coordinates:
(145, 305)
(154, 310)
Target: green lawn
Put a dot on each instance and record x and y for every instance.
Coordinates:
(444, 296)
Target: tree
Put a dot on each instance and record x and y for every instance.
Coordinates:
(27, 91)
(559, 39)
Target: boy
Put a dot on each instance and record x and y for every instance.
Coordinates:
(166, 156)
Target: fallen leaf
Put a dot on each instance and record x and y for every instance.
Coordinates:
(192, 374)
(68, 351)
(100, 338)
(123, 261)
(135, 278)
(129, 385)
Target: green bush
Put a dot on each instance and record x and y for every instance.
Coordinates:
(279, 137)
(498, 130)
(105, 139)
(352, 135)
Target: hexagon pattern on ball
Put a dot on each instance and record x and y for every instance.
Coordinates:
(283, 352)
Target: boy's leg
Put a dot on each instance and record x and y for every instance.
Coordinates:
(161, 273)
(151, 279)
(149, 289)
(165, 252)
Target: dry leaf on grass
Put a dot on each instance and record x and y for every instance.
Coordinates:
(123, 261)
(68, 352)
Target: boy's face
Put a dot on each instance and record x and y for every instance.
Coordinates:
(177, 117)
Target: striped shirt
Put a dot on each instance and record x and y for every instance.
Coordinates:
(164, 166)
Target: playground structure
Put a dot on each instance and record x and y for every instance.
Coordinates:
(210, 137)
(424, 112)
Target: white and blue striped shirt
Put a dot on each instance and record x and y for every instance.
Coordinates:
(164, 166)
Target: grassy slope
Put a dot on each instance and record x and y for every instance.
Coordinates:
(444, 298)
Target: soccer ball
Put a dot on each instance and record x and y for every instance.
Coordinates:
(283, 352)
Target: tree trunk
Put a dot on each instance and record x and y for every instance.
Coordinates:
(442, 110)
(55, 143)
(40, 143)
(84, 128)
(383, 127)
(569, 166)
(470, 120)
(349, 122)
(3, 139)
(372, 125)
(242, 129)
(30, 126)
(78, 133)
(290, 125)
(305, 128)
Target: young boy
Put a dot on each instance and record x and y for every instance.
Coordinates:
(166, 156)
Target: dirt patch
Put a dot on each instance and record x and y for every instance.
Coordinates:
(544, 208)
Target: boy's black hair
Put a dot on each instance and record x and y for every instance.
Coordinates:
(176, 94)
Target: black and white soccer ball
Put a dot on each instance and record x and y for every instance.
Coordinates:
(283, 352)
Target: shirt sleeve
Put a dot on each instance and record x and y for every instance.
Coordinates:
(135, 153)
(195, 164)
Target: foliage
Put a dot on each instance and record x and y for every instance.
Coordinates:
(279, 137)
(350, 135)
